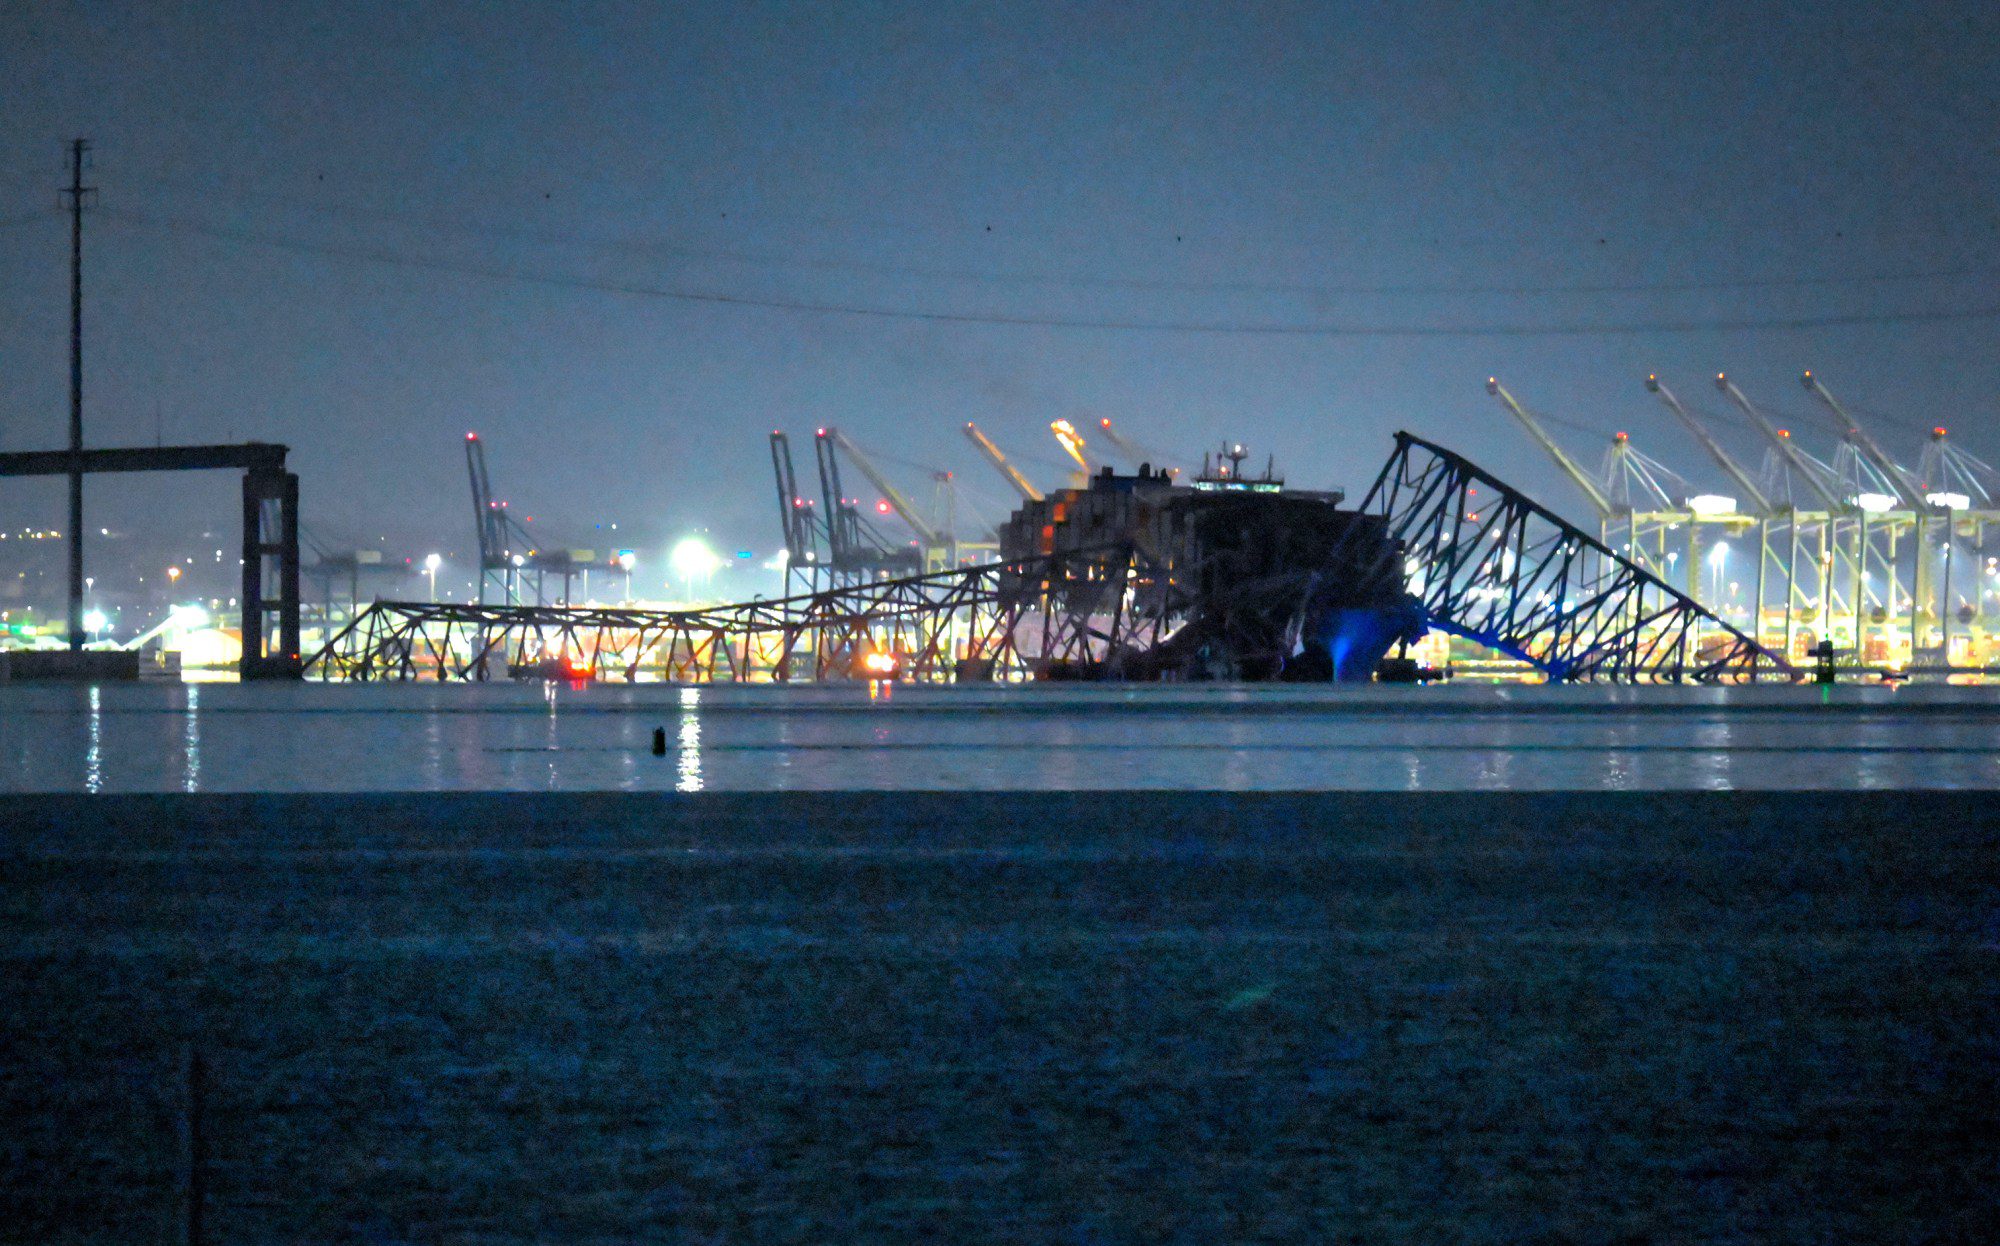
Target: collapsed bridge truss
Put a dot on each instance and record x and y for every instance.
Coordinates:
(999, 620)
(1482, 560)
(1491, 564)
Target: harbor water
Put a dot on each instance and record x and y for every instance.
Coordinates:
(524, 737)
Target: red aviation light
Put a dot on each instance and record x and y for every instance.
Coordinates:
(882, 506)
(1938, 432)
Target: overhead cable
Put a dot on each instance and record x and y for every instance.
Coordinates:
(1251, 328)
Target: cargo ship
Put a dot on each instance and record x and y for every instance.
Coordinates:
(1244, 577)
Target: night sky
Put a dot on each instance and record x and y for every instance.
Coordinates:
(363, 229)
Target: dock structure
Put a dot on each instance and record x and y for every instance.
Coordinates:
(1898, 567)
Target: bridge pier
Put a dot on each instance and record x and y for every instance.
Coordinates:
(270, 576)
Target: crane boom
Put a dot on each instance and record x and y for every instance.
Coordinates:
(1562, 460)
(1808, 472)
(1013, 474)
(1125, 444)
(1899, 480)
(1723, 458)
(792, 513)
(843, 528)
(1072, 444)
(926, 535)
(488, 524)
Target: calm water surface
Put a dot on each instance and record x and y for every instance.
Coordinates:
(315, 737)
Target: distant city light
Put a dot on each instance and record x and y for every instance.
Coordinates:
(693, 560)
(94, 621)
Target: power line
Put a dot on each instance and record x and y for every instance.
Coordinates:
(1962, 272)
(1604, 328)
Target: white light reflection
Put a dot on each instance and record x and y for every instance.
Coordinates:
(93, 757)
(553, 747)
(191, 741)
(690, 741)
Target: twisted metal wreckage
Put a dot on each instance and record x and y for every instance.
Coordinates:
(1469, 554)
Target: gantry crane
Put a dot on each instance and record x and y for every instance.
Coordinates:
(1948, 473)
(1793, 459)
(796, 517)
(506, 551)
(857, 550)
(494, 528)
(1591, 491)
(1921, 514)
(1072, 443)
(927, 536)
(1723, 459)
(1637, 514)
(1966, 489)
(1850, 429)
(1021, 483)
(1138, 454)
(1770, 520)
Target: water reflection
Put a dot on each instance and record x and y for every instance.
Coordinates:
(530, 737)
(93, 754)
(689, 779)
(191, 741)
(1712, 760)
(553, 745)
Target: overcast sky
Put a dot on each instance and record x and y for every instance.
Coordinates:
(362, 229)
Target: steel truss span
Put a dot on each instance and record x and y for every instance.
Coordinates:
(998, 621)
(1492, 565)
(1482, 560)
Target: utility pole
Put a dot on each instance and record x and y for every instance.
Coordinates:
(76, 194)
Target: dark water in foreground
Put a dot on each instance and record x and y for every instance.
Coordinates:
(316, 737)
(1016, 1017)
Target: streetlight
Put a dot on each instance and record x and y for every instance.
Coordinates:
(627, 559)
(692, 560)
(431, 564)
